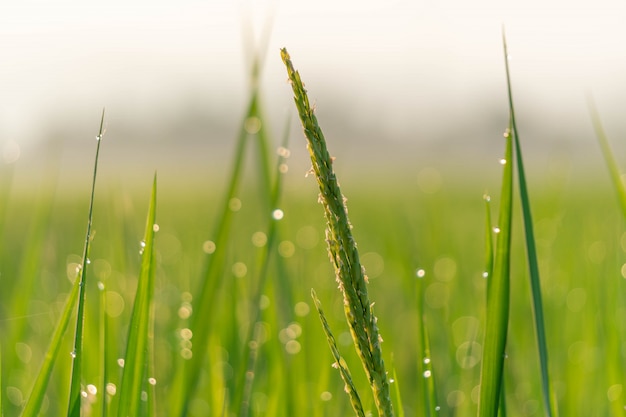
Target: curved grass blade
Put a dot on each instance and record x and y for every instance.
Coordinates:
(498, 298)
(77, 353)
(340, 363)
(35, 399)
(138, 350)
(342, 250)
(531, 253)
(608, 156)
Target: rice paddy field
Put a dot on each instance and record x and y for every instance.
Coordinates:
(194, 298)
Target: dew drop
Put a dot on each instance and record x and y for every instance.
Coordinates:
(283, 152)
(152, 381)
(278, 214)
(427, 374)
(208, 247)
(502, 161)
(420, 273)
(83, 394)
(437, 408)
(101, 285)
(88, 261)
(111, 388)
(155, 228)
(426, 361)
(73, 354)
(92, 389)
(485, 274)
(142, 243)
(120, 362)
(496, 229)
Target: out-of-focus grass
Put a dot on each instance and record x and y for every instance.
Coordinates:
(577, 242)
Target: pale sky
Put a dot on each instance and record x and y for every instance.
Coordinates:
(387, 65)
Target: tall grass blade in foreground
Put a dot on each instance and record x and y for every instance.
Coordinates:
(343, 251)
(38, 392)
(138, 351)
(498, 298)
(77, 353)
(608, 156)
(340, 363)
(531, 253)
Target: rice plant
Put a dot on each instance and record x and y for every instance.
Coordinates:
(342, 250)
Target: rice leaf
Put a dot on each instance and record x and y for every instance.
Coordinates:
(103, 338)
(342, 250)
(38, 392)
(398, 393)
(531, 253)
(138, 349)
(498, 297)
(340, 363)
(266, 254)
(188, 371)
(425, 367)
(611, 163)
(77, 353)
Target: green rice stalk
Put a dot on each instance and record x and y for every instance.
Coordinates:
(611, 163)
(104, 377)
(77, 353)
(398, 393)
(430, 395)
(488, 242)
(487, 274)
(138, 349)
(343, 251)
(531, 253)
(185, 381)
(1, 386)
(38, 392)
(251, 349)
(498, 298)
(425, 366)
(340, 363)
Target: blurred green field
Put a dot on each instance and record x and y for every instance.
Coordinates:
(401, 226)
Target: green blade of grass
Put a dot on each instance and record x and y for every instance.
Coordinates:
(399, 402)
(189, 371)
(77, 353)
(531, 252)
(342, 250)
(137, 348)
(38, 392)
(487, 274)
(608, 155)
(103, 338)
(340, 363)
(251, 349)
(425, 367)
(498, 298)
